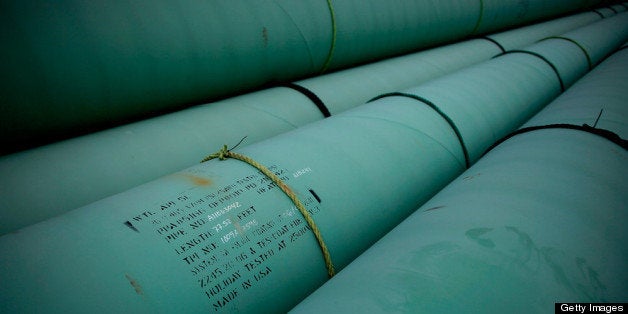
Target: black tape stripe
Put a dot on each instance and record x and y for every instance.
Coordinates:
(598, 13)
(442, 114)
(311, 96)
(584, 51)
(494, 42)
(560, 80)
(612, 9)
(609, 135)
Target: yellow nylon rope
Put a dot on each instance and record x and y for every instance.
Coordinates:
(225, 153)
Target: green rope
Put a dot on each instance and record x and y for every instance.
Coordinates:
(479, 22)
(225, 153)
(333, 37)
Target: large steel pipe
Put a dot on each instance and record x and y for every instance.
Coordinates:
(48, 181)
(539, 220)
(74, 67)
(219, 236)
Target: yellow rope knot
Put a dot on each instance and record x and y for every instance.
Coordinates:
(222, 154)
(225, 153)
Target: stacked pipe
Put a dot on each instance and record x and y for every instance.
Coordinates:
(220, 236)
(540, 219)
(48, 181)
(75, 67)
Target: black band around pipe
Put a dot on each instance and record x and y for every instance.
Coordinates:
(560, 80)
(311, 96)
(442, 114)
(494, 42)
(584, 51)
(609, 135)
(598, 13)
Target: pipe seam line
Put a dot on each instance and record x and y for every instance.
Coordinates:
(225, 153)
(310, 95)
(586, 53)
(560, 80)
(607, 134)
(441, 113)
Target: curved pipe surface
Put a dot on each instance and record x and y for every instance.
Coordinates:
(540, 219)
(220, 236)
(75, 67)
(48, 181)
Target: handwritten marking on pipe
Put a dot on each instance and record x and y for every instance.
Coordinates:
(301, 172)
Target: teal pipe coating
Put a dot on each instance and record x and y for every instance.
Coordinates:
(612, 9)
(524, 36)
(339, 159)
(618, 8)
(75, 67)
(540, 219)
(399, 73)
(220, 237)
(604, 12)
(48, 181)
(552, 62)
(599, 100)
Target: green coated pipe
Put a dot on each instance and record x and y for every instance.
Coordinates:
(553, 62)
(611, 9)
(524, 36)
(341, 90)
(48, 181)
(255, 240)
(75, 67)
(596, 102)
(220, 237)
(618, 8)
(539, 220)
(604, 12)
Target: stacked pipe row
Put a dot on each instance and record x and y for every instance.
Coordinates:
(610, 10)
(540, 219)
(579, 51)
(74, 67)
(48, 181)
(599, 100)
(220, 236)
